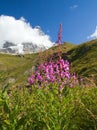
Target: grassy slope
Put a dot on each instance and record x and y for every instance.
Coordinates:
(15, 67)
(82, 57)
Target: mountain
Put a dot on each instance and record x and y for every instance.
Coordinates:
(17, 68)
(11, 48)
(31, 43)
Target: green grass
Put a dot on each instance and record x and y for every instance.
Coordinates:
(83, 59)
(16, 67)
(45, 109)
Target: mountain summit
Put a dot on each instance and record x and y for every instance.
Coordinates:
(26, 47)
(23, 48)
(20, 33)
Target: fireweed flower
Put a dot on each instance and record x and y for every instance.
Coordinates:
(31, 79)
(56, 69)
(38, 77)
(75, 79)
(49, 72)
(71, 85)
(67, 75)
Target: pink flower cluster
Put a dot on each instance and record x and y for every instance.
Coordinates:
(50, 72)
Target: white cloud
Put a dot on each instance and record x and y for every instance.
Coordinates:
(19, 31)
(93, 35)
(74, 7)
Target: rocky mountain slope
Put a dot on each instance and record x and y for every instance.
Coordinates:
(23, 48)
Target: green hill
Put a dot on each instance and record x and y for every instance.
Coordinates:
(17, 68)
(83, 58)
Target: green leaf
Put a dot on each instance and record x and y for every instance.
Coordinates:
(1, 101)
(7, 122)
(6, 108)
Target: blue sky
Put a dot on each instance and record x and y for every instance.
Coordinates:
(78, 17)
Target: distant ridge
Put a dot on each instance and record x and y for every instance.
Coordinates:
(23, 48)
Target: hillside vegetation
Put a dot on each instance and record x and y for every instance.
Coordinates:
(17, 68)
(83, 59)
